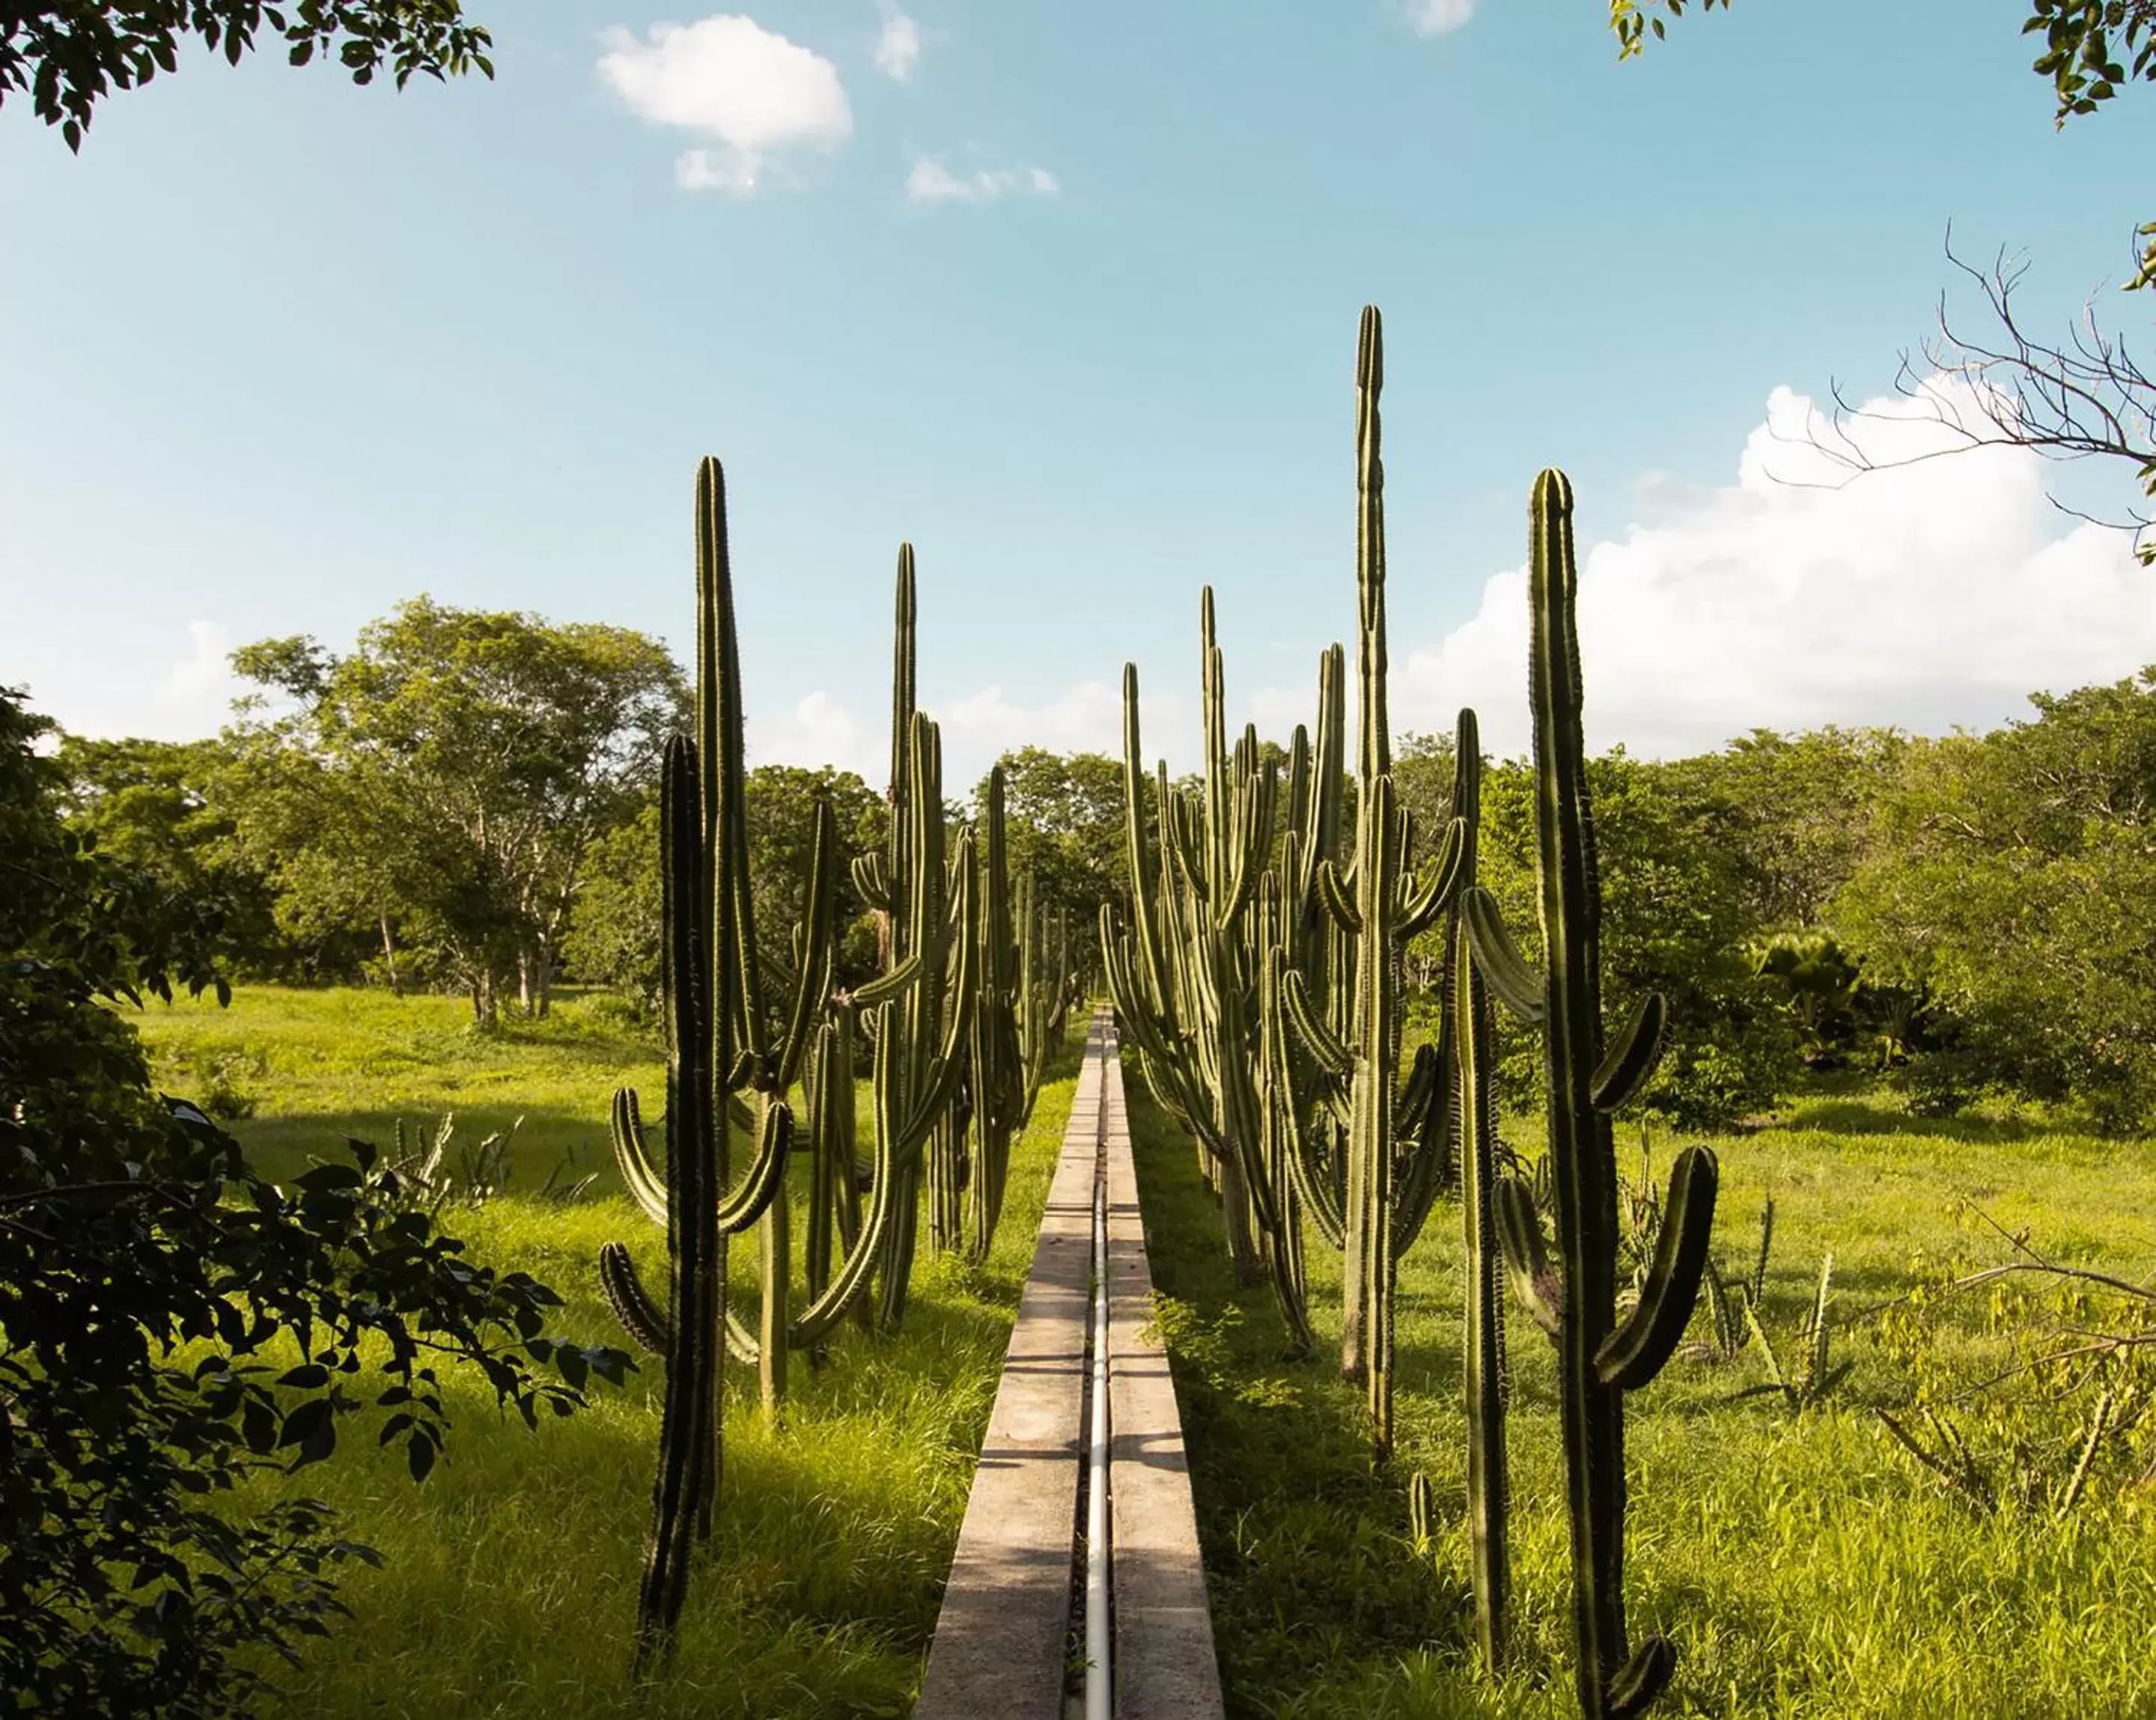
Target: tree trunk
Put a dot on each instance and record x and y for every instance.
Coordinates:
(389, 957)
(486, 1012)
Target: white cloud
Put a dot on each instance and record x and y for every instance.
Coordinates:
(753, 93)
(932, 182)
(194, 697)
(1434, 17)
(821, 731)
(976, 729)
(1927, 595)
(898, 49)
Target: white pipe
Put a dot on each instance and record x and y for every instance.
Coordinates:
(1099, 1679)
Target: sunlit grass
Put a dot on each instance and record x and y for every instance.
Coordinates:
(1801, 1565)
(509, 1581)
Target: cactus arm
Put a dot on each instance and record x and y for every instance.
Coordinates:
(1512, 982)
(1178, 817)
(1635, 1352)
(869, 881)
(814, 937)
(1423, 1135)
(1527, 1254)
(886, 986)
(767, 1173)
(634, 1305)
(1332, 895)
(947, 1066)
(1332, 1058)
(1644, 1676)
(645, 1183)
(1433, 898)
(1321, 833)
(1631, 1060)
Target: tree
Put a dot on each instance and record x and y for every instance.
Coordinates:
(2087, 396)
(1064, 819)
(2010, 879)
(615, 932)
(68, 54)
(1794, 806)
(457, 768)
(171, 1322)
(1676, 919)
(151, 807)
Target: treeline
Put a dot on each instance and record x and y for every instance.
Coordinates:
(1969, 914)
(466, 802)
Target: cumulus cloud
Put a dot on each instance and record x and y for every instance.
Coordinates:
(1926, 596)
(193, 696)
(932, 182)
(1434, 17)
(898, 48)
(821, 730)
(755, 95)
(977, 729)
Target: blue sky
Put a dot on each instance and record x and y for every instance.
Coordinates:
(1067, 296)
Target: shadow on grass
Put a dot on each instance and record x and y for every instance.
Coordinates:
(1866, 1117)
(1306, 1556)
(560, 1144)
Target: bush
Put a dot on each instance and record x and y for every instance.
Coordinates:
(171, 1322)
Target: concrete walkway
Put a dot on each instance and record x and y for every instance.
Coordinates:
(1004, 1635)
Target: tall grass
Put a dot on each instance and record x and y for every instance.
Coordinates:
(1803, 1567)
(509, 1582)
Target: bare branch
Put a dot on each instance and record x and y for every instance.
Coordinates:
(2091, 396)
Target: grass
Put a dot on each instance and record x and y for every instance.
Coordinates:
(510, 1577)
(1803, 1567)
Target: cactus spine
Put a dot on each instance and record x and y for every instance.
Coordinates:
(1599, 1360)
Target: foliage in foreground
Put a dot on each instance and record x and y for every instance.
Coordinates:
(171, 1322)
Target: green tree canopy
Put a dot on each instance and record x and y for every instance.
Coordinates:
(449, 778)
(69, 54)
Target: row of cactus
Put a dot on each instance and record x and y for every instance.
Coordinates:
(1260, 982)
(961, 1022)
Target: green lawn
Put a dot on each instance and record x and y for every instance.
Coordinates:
(509, 1582)
(1803, 1565)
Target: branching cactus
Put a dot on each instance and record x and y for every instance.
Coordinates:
(927, 898)
(1014, 1026)
(713, 1047)
(1396, 1137)
(1574, 1298)
(1187, 977)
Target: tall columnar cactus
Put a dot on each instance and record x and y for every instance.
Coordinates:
(1396, 1138)
(713, 1047)
(1472, 1031)
(1574, 1299)
(1013, 1024)
(931, 940)
(761, 1059)
(1188, 978)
